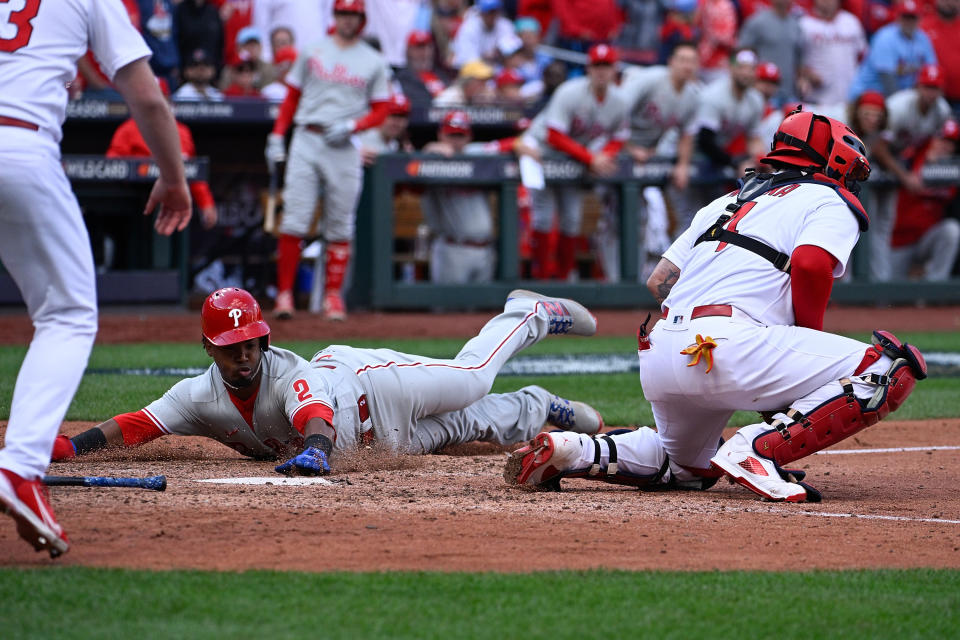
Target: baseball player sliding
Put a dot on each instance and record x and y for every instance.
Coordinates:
(269, 403)
(743, 292)
(332, 85)
(44, 245)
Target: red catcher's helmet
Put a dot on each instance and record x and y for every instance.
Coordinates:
(350, 6)
(232, 315)
(820, 144)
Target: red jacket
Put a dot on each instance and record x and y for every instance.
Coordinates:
(943, 35)
(594, 20)
(917, 213)
(128, 142)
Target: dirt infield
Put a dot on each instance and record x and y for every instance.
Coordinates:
(453, 511)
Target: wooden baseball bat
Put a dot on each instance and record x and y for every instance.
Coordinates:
(270, 213)
(153, 483)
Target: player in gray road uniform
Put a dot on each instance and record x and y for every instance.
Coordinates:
(269, 403)
(332, 84)
(586, 119)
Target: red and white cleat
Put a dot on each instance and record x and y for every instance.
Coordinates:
(542, 459)
(26, 502)
(739, 461)
(334, 307)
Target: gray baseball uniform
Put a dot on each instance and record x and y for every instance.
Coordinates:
(336, 85)
(411, 403)
(655, 105)
(575, 111)
(730, 118)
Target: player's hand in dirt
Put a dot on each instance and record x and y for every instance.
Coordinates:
(63, 449)
(175, 206)
(312, 462)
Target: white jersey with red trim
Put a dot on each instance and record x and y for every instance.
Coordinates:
(290, 389)
(40, 42)
(338, 84)
(575, 110)
(784, 218)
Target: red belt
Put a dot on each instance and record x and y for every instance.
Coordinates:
(316, 128)
(14, 122)
(706, 311)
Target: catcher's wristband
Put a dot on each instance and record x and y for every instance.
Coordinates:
(319, 441)
(89, 441)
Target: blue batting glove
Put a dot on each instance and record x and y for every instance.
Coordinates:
(312, 462)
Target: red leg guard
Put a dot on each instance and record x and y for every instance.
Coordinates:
(288, 257)
(837, 419)
(566, 255)
(336, 261)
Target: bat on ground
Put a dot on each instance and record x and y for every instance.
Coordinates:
(153, 483)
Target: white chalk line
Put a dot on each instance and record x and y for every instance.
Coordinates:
(863, 516)
(289, 482)
(835, 452)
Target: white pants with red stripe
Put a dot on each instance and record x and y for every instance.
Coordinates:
(420, 404)
(45, 248)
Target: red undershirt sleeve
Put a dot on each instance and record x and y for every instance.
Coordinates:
(377, 114)
(137, 428)
(613, 147)
(287, 110)
(562, 142)
(811, 279)
(310, 410)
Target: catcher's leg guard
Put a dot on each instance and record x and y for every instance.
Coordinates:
(612, 473)
(841, 417)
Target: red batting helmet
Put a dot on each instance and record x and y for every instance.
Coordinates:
(821, 145)
(232, 315)
(350, 6)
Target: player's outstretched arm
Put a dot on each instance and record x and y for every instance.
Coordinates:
(314, 460)
(104, 435)
(139, 88)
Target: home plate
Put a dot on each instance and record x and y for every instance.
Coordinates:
(290, 482)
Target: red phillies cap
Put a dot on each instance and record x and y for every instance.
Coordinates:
(285, 54)
(602, 54)
(930, 75)
(508, 77)
(768, 71)
(874, 98)
(398, 105)
(951, 130)
(456, 122)
(418, 38)
(907, 8)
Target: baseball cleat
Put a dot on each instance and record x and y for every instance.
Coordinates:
(543, 459)
(334, 307)
(283, 309)
(565, 315)
(573, 415)
(26, 502)
(741, 463)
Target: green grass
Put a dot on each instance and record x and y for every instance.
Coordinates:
(617, 396)
(96, 603)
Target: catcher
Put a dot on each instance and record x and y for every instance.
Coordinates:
(269, 403)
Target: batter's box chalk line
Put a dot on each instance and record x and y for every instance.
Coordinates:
(861, 516)
(285, 482)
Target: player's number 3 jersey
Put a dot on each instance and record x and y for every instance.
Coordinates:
(784, 218)
(40, 42)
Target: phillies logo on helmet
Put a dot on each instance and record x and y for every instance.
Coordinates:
(232, 315)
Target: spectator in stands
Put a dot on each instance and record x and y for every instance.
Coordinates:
(444, 25)
(716, 21)
(420, 80)
(248, 48)
(243, 81)
(159, 32)
(281, 37)
(727, 122)
(677, 27)
(776, 36)
(235, 16)
(471, 88)
(833, 44)
(768, 84)
(914, 117)
(198, 26)
(554, 75)
(307, 20)
(392, 21)
(198, 75)
(283, 59)
(639, 39)
(584, 23)
(509, 85)
(539, 10)
(459, 218)
(942, 26)
(586, 119)
(526, 58)
(128, 142)
(897, 51)
(924, 236)
(483, 31)
(391, 135)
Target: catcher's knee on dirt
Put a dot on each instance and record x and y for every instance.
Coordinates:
(611, 471)
(838, 418)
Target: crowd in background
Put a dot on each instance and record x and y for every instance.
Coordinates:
(890, 69)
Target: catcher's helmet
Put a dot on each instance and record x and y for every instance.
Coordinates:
(232, 315)
(820, 144)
